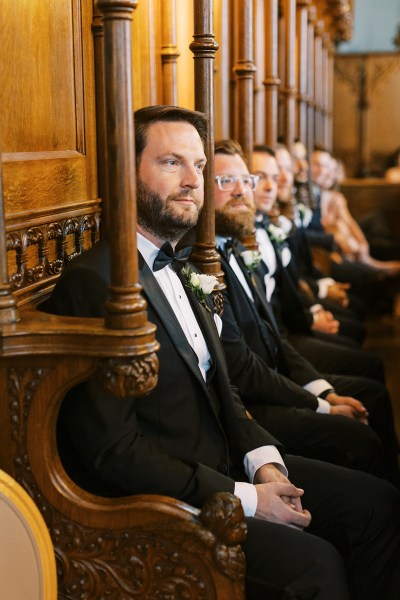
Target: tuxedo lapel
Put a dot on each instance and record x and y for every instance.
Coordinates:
(255, 285)
(155, 296)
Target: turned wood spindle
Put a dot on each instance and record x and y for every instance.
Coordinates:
(271, 80)
(204, 47)
(169, 53)
(125, 308)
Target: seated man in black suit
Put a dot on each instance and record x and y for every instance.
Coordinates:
(191, 436)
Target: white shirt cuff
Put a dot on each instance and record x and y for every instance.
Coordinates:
(315, 308)
(247, 494)
(323, 406)
(263, 456)
(323, 285)
(317, 386)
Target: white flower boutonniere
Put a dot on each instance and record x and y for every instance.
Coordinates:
(201, 285)
(251, 259)
(276, 234)
(305, 213)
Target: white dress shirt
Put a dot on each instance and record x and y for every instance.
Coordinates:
(176, 296)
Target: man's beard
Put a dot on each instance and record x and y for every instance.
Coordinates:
(157, 216)
(229, 223)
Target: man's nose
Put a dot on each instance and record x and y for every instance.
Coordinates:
(239, 189)
(269, 182)
(191, 177)
(283, 176)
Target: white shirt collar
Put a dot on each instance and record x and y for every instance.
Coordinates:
(147, 249)
(221, 241)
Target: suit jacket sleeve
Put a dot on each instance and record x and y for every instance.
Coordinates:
(256, 381)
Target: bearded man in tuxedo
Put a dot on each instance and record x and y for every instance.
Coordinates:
(191, 435)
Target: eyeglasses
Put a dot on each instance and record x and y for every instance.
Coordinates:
(227, 183)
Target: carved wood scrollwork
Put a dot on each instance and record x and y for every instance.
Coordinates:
(40, 265)
(22, 384)
(134, 377)
(158, 561)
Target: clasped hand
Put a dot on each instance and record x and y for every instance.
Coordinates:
(347, 407)
(278, 500)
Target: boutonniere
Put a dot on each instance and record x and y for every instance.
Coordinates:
(201, 285)
(276, 234)
(305, 213)
(251, 259)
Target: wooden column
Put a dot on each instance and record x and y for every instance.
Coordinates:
(169, 52)
(331, 62)
(102, 171)
(281, 68)
(244, 74)
(125, 308)
(271, 80)
(318, 82)
(204, 47)
(259, 75)
(310, 79)
(290, 71)
(326, 41)
(302, 48)
(8, 305)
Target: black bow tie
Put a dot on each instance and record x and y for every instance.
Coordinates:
(263, 224)
(230, 247)
(167, 256)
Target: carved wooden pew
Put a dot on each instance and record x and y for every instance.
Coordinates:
(141, 547)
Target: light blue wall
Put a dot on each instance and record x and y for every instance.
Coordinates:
(375, 26)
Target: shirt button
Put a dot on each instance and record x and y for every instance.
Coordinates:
(195, 335)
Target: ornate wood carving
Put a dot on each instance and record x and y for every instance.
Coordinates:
(124, 377)
(8, 311)
(364, 76)
(339, 15)
(43, 261)
(204, 47)
(155, 561)
(271, 79)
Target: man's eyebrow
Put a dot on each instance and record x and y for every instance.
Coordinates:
(203, 159)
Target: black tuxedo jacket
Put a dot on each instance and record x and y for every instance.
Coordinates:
(264, 366)
(187, 438)
(301, 265)
(286, 300)
(315, 231)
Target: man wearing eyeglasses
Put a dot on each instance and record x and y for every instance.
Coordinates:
(191, 436)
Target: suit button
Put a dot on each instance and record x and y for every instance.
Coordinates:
(223, 467)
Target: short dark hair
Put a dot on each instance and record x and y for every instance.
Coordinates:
(144, 117)
(229, 147)
(264, 148)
